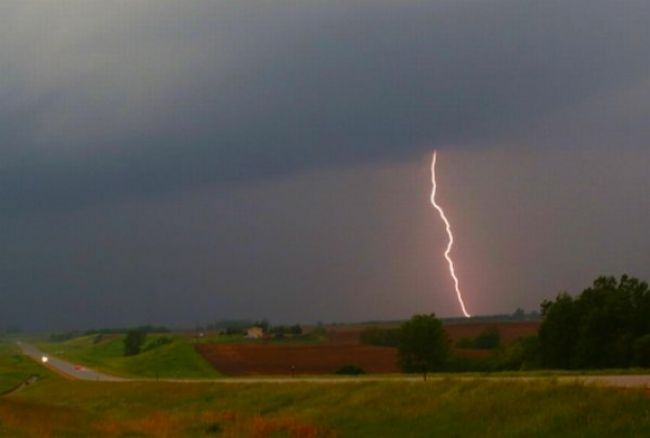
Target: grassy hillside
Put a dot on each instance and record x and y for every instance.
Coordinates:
(442, 408)
(176, 359)
(15, 368)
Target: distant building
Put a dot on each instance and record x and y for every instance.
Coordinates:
(254, 333)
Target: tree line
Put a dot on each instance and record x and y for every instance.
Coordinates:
(606, 326)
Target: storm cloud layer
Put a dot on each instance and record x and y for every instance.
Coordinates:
(106, 105)
(101, 99)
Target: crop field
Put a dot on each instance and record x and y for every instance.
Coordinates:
(321, 351)
(251, 359)
(340, 347)
(509, 330)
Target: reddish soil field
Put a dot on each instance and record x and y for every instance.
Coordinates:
(347, 334)
(342, 347)
(251, 359)
(510, 330)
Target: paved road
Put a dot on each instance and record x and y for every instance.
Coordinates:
(72, 371)
(620, 381)
(66, 368)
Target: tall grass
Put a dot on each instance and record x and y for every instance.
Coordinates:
(439, 408)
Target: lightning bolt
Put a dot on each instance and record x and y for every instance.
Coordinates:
(449, 234)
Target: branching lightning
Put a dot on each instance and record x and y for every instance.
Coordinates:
(449, 234)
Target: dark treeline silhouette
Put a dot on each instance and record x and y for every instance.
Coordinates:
(606, 326)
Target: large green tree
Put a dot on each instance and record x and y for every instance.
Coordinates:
(558, 332)
(598, 328)
(424, 344)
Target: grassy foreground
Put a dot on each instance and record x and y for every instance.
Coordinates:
(15, 367)
(56, 407)
(176, 359)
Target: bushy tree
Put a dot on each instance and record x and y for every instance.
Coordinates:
(597, 329)
(350, 370)
(522, 354)
(424, 344)
(558, 332)
(134, 341)
(519, 314)
(488, 339)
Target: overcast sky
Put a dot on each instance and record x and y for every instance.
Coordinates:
(177, 162)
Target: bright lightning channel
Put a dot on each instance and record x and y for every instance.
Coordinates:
(449, 234)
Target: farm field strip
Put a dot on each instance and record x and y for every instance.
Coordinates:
(621, 381)
(250, 359)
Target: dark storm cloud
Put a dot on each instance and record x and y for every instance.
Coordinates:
(106, 99)
(168, 162)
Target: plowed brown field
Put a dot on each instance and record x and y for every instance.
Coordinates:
(269, 359)
(510, 330)
(342, 347)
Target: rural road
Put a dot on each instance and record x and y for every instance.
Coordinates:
(66, 368)
(82, 373)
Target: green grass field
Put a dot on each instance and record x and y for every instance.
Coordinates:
(15, 368)
(176, 359)
(450, 408)
(61, 408)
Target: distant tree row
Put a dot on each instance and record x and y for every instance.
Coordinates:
(606, 326)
